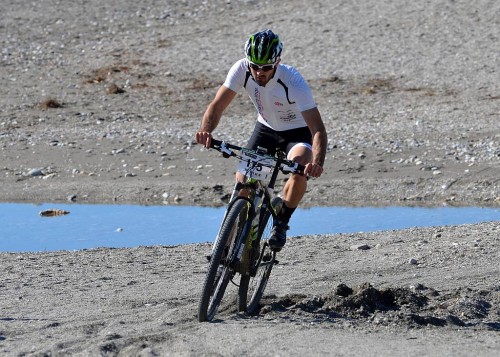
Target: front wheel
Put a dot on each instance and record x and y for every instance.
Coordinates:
(252, 286)
(220, 269)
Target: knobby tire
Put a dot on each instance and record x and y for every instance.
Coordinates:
(222, 255)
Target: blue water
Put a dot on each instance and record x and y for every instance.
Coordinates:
(22, 229)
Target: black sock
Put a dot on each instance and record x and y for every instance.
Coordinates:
(285, 213)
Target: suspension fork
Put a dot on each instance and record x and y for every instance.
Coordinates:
(251, 230)
(234, 197)
(267, 194)
(266, 206)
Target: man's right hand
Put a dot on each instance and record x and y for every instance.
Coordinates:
(204, 138)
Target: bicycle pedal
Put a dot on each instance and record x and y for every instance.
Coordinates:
(276, 261)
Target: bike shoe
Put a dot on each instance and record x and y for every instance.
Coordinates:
(278, 235)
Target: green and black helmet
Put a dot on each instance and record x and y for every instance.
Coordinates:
(263, 47)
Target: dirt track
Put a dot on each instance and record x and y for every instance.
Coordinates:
(324, 298)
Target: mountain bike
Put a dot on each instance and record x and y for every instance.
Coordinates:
(241, 248)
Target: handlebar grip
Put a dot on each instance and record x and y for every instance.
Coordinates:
(293, 167)
(300, 169)
(217, 144)
(214, 143)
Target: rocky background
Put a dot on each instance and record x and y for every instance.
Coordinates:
(100, 102)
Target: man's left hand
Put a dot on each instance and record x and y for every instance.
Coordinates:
(313, 170)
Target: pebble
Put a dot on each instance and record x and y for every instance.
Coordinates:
(360, 247)
(119, 151)
(35, 172)
(413, 261)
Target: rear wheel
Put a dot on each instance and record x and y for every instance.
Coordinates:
(252, 286)
(220, 270)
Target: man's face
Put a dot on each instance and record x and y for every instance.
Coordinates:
(263, 73)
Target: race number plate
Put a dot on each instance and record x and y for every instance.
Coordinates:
(256, 171)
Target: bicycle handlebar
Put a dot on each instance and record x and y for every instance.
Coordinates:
(286, 166)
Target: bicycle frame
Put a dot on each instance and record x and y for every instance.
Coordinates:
(258, 194)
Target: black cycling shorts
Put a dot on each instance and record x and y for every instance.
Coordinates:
(272, 140)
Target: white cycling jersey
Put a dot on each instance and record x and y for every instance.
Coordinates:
(281, 102)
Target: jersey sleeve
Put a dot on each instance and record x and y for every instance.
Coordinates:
(235, 78)
(301, 93)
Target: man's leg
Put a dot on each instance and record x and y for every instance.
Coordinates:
(294, 190)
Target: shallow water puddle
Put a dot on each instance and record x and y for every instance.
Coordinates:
(23, 229)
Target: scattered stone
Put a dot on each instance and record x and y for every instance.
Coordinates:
(218, 188)
(118, 151)
(113, 88)
(35, 172)
(225, 198)
(360, 247)
(343, 290)
(413, 261)
(50, 103)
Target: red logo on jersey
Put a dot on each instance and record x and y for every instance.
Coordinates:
(278, 104)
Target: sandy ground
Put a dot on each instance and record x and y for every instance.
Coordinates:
(143, 301)
(100, 101)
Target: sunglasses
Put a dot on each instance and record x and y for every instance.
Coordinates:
(264, 68)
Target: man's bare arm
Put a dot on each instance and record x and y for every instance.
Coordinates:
(319, 136)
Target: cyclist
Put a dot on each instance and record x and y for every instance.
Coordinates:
(288, 118)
